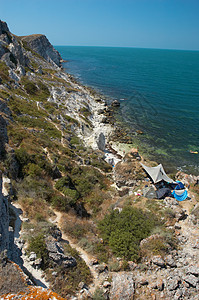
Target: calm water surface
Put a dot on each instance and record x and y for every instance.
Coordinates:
(158, 91)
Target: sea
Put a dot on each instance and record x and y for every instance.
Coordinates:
(159, 94)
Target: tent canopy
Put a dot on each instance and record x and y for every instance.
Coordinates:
(157, 174)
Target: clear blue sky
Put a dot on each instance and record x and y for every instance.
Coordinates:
(168, 24)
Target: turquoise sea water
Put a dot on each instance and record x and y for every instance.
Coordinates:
(158, 91)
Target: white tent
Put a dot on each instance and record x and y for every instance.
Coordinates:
(157, 174)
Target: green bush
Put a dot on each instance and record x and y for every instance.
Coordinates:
(33, 170)
(37, 244)
(30, 88)
(66, 186)
(124, 231)
(22, 156)
(61, 203)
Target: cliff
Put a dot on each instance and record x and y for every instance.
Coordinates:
(41, 45)
(4, 220)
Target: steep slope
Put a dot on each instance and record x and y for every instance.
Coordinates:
(55, 141)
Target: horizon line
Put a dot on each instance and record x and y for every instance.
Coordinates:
(134, 47)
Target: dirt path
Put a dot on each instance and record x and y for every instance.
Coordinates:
(83, 254)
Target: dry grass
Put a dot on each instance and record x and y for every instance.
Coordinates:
(35, 209)
(76, 227)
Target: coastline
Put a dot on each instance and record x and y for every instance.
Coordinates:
(158, 142)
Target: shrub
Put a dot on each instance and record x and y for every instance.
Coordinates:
(98, 294)
(61, 203)
(37, 244)
(30, 87)
(66, 186)
(124, 231)
(33, 170)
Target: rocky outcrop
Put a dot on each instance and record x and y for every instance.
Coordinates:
(122, 286)
(4, 220)
(3, 27)
(3, 135)
(56, 253)
(11, 51)
(128, 172)
(41, 45)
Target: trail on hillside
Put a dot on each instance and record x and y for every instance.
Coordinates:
(82, 253)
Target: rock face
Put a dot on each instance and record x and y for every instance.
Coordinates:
(4, 220)
(122, 286)
(11, 51)
(3, 27)
(56, 253)
(41, 45)
(3, 135)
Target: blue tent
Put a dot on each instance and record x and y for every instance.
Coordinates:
(179, 192)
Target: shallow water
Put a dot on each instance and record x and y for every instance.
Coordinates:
(158, 91)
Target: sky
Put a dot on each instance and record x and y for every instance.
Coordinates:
(164, 24)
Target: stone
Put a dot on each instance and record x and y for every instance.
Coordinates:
(94, 262)
(106, 284)
(101, 141)
(158, 261)
(178, 294)
(193, 270)
(32, 256)
(132, 265)
(101, 268)
(37, 263)
(180, 214)
(122, 286)
(191, 280)
(173, 283)
(170, 261)
(115, 103)
(3, 27)
(177, 226)
(143, 281)
(82, 285)
(159, 285)
(170, 202)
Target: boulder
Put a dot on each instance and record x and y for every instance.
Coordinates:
(193, 270)
(191, 280)
(170, 261)
(115, 103)
(101, 268)
(101, 141)
(32, 256)
(122, 286)
(158, 261)
(56, 253)
(173, 283)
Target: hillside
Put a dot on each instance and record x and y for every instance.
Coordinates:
(73, 226)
